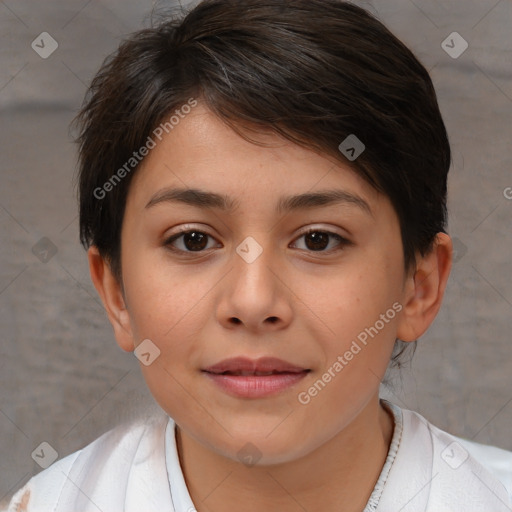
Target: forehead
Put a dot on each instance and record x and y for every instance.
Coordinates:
(202, 152)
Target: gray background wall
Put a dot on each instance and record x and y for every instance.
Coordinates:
(63, 380)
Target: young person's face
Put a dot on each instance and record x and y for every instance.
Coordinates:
(304, 300)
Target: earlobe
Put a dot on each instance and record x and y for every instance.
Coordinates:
(424, 290)
(109, 289)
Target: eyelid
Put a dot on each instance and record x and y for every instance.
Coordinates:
(323, 229)
(184, 229)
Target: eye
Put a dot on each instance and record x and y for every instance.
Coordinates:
(318, 240)
(194, 240)
(190, 240)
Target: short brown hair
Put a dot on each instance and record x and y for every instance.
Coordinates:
(313, 71)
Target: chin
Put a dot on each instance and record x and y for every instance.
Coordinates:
(251, 447)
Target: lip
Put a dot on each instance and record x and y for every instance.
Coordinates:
(261, 365)
(248, 378)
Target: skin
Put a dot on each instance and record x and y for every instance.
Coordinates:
(302, 305)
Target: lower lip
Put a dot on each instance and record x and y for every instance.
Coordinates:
(252, 386)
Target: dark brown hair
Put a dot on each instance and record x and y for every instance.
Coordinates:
(313, 71)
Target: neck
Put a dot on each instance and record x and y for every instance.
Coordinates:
(339, 475)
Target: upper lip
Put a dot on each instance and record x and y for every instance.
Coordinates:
(253, 366)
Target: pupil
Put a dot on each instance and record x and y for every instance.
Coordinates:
(319, 240)
(195, 241)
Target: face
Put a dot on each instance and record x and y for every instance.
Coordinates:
(301, 280)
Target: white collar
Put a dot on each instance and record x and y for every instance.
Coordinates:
(418, 474)
(136, 467)
(181, 500)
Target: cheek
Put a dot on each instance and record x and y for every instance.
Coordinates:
(161, 297)
(358, 296)
(358, 308)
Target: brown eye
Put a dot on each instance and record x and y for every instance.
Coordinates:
(318, 241)
(195, 241)
(190, 241)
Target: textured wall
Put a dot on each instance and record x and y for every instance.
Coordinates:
(63, 379)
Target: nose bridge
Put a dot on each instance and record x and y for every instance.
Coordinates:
(252, 268)
(254, 296)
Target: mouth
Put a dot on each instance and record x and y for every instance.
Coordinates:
(242, 373)
(246, 378)
(264, 366)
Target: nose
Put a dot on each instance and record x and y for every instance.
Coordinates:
(255, 295)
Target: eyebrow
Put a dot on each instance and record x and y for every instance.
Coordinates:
(308, 200)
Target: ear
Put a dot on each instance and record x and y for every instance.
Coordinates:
(424, 289)
(109, 289)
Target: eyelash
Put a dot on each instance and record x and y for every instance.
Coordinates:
(342, 242)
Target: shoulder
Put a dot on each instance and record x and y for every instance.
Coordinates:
(461, 470)
(91, 466)
(434, 472)
(494, 459)
(43, 488)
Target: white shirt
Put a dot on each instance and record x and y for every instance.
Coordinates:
(135, 468)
